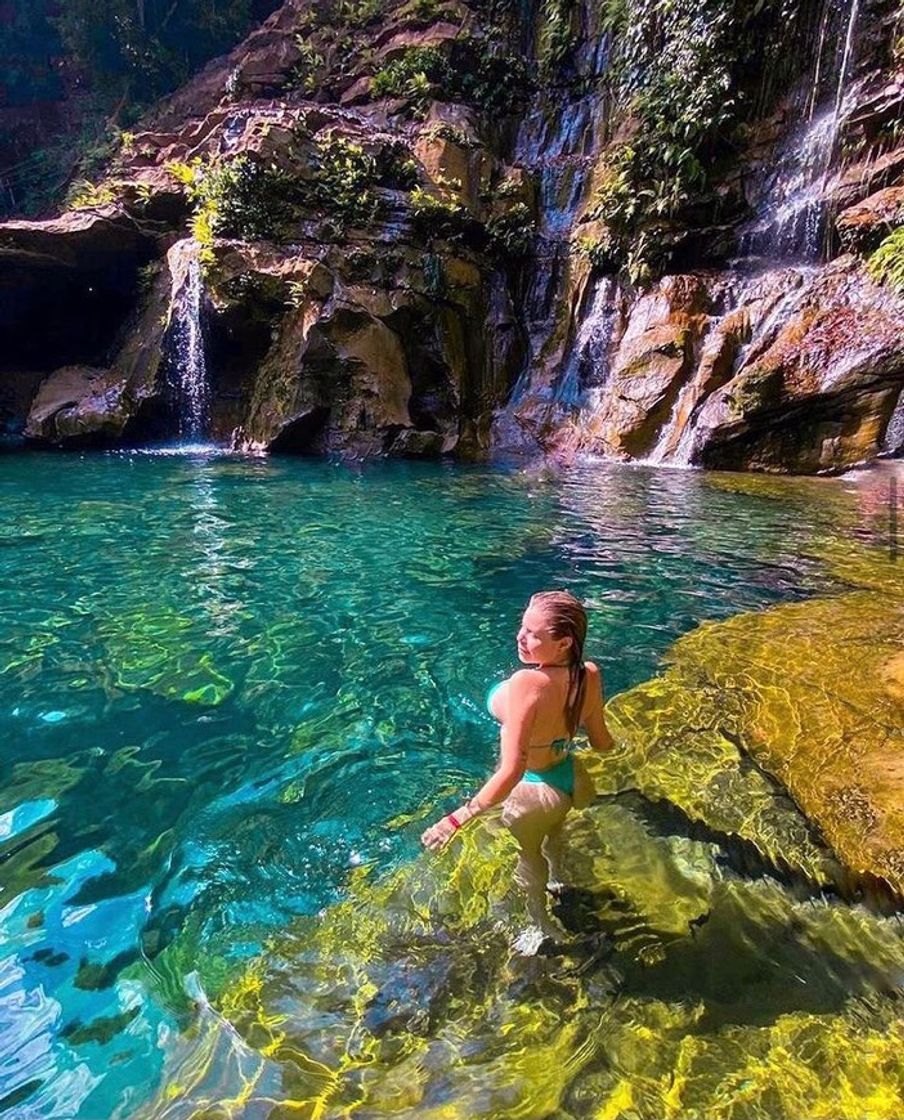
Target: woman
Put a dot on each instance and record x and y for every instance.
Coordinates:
(538, 779)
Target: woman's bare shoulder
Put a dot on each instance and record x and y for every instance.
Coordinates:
(594, 680)
(526, 680)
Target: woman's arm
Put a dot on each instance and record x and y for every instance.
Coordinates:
(521, 707)
(594, 719)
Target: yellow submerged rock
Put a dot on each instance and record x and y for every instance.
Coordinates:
(693, 986)
(811, 691)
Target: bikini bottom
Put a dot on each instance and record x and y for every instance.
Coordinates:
(560, 776)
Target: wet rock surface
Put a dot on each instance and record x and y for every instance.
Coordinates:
(465, 314)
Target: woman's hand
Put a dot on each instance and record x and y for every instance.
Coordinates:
(438, 835)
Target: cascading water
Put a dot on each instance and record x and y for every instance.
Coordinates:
(587, 366)
(188, 363)
(558, 143)
(583, 387)
(791, 219)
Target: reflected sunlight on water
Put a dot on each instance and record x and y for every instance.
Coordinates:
(231, 691)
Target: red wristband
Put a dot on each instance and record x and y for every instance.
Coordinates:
(455, 821)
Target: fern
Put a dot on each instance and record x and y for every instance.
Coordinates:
(886, 265)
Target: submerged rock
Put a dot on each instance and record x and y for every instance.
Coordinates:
(695, 980)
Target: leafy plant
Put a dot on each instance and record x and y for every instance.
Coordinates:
(298, 292)
(556, 38)
(497, 82)
(243, 198)
(358, 13)
(412, 75)
(145, 50)
(345, 179)
(437, 215)
(602, 250)
(886, 264)
(443, 130)
(395, 167)
(476, 72)
(305, 74)
(84, 195)
(425, 9)
(511, 234)
(675, 69)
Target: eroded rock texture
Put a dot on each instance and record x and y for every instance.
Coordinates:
(417, 260)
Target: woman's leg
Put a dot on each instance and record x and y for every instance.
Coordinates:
(552, 850)
(531, 812)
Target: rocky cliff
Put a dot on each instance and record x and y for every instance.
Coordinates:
(432, 227)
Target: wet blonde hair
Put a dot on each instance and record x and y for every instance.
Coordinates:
(566, 618)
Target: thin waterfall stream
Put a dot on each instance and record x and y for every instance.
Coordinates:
(188, 366)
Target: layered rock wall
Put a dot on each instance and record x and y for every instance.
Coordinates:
(402, 216)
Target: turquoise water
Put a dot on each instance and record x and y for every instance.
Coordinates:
(225, 683)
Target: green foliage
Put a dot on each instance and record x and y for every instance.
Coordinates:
(345, 179)
(307, 72)
(341, 13)
(85, 195)
(556, 37)
(675, 70)
(508, 188)
(425, 9)
(241, 198)
(475, 72)
(602, 250)
(511, 234)
(299, 291)
(487, 76)
(413, 75)
(438, 215)
(395, 167)
(886, 265)
(149, 47)
(250, 199)
(442, 130)
(359, 13)
(41, 180)
(616, 201)
(28, 44)
(613, 15)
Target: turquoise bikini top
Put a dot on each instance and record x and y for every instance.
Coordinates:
(491, 692)
(566, 745)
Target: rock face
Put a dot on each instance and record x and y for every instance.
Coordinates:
(399, 262)
(89, 406)
(362, 370)
(793, 369)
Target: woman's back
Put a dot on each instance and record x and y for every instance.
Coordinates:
(550, 734)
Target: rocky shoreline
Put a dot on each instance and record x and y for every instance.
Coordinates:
(391, 269)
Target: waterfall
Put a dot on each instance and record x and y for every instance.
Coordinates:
(587, 365)
(845, 60)
(558, 142)
(790, 222)
(893, 442)
(188, 363)
(675, 444)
